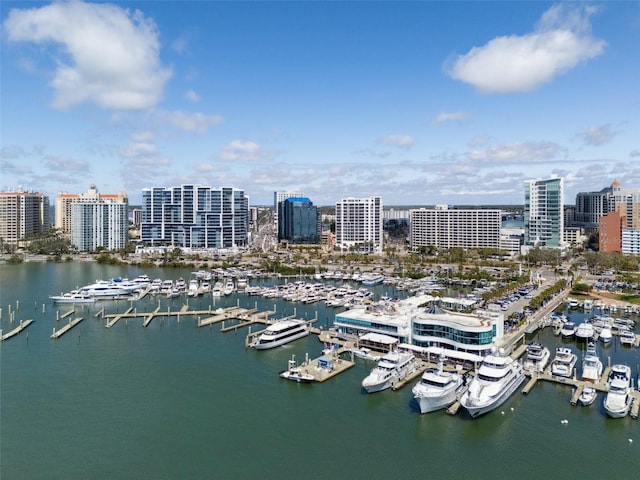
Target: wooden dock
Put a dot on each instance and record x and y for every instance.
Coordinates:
(67, 314)
(322, 373)
(61, 331)
(422, 366)
(117, 317)
(21, 326)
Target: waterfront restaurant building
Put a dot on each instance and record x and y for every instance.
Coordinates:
(195, 216)
(426, 330)
(464, 336)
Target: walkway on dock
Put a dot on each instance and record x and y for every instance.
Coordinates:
(23, 324)
(61, 331)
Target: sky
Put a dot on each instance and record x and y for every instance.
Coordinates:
(421, 103)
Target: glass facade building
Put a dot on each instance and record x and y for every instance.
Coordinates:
(544, 213)
(195, 216)
(299, 221)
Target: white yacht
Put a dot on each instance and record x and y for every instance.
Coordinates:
(229, 287)
(74, 296)
(391, 368)
(627, 338)
(591, 364)
(588, 395)
(216, 291)
(584, 332)
(606, 334)
(437, 389)
(496, 380)
(568, 329)
(618, 400)
(103, 289)
(564, 362)
(537, 357)
(281, 332)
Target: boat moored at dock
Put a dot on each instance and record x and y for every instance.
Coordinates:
(391, 368)
(564, 362)
(295, 372)
(438, 389)
(591, 365)
(537, 357)
(496, 380)
(617, 401)
(281, 332)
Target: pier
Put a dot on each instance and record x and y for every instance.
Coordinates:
(23, 324)
(61, 331)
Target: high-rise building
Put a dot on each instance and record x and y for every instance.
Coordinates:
(626, 201)
(299, 221)
(97, 220)
(195, 216)
(611, 226)
(359, 224)
(631, 242)
(544, 213)
(591, 206)
(22, 214)
(280, 197)
(65, 200)
(442, 227)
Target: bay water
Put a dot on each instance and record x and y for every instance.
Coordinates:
(173, 401)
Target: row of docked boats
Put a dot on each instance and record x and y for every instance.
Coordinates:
(102, 290)
(618, 400)
(600, 327)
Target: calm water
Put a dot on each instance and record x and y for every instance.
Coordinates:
(172, 401)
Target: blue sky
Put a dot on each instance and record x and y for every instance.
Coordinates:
(421, 103)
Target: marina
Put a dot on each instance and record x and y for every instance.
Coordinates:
(176, 347)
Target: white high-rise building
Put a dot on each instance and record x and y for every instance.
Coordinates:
(359, 224)
(544, 213)
(443, 227)
(99, 220)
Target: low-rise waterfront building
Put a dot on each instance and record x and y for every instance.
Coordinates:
(420, 323)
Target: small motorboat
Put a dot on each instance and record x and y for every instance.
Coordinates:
(295, 373)
(588, 396)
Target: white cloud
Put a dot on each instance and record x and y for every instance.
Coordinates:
(189, 122)
(451, 116)
(109, 55)
(597, 135)
(634, 153)
(245, 151)
(519, 63)
(192, 96)
(517, 152)
(400, 141)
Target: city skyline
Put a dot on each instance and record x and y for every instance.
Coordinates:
(420, 103)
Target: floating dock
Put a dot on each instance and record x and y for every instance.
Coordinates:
(61, 331)
(23, 324)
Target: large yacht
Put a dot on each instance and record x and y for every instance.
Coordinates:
(617, 402)
(537, 357)
(591, 364)
(564, 362)
(437, 389)
(496, 380)
(281, 332)
(104, 289)
(391, 368)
